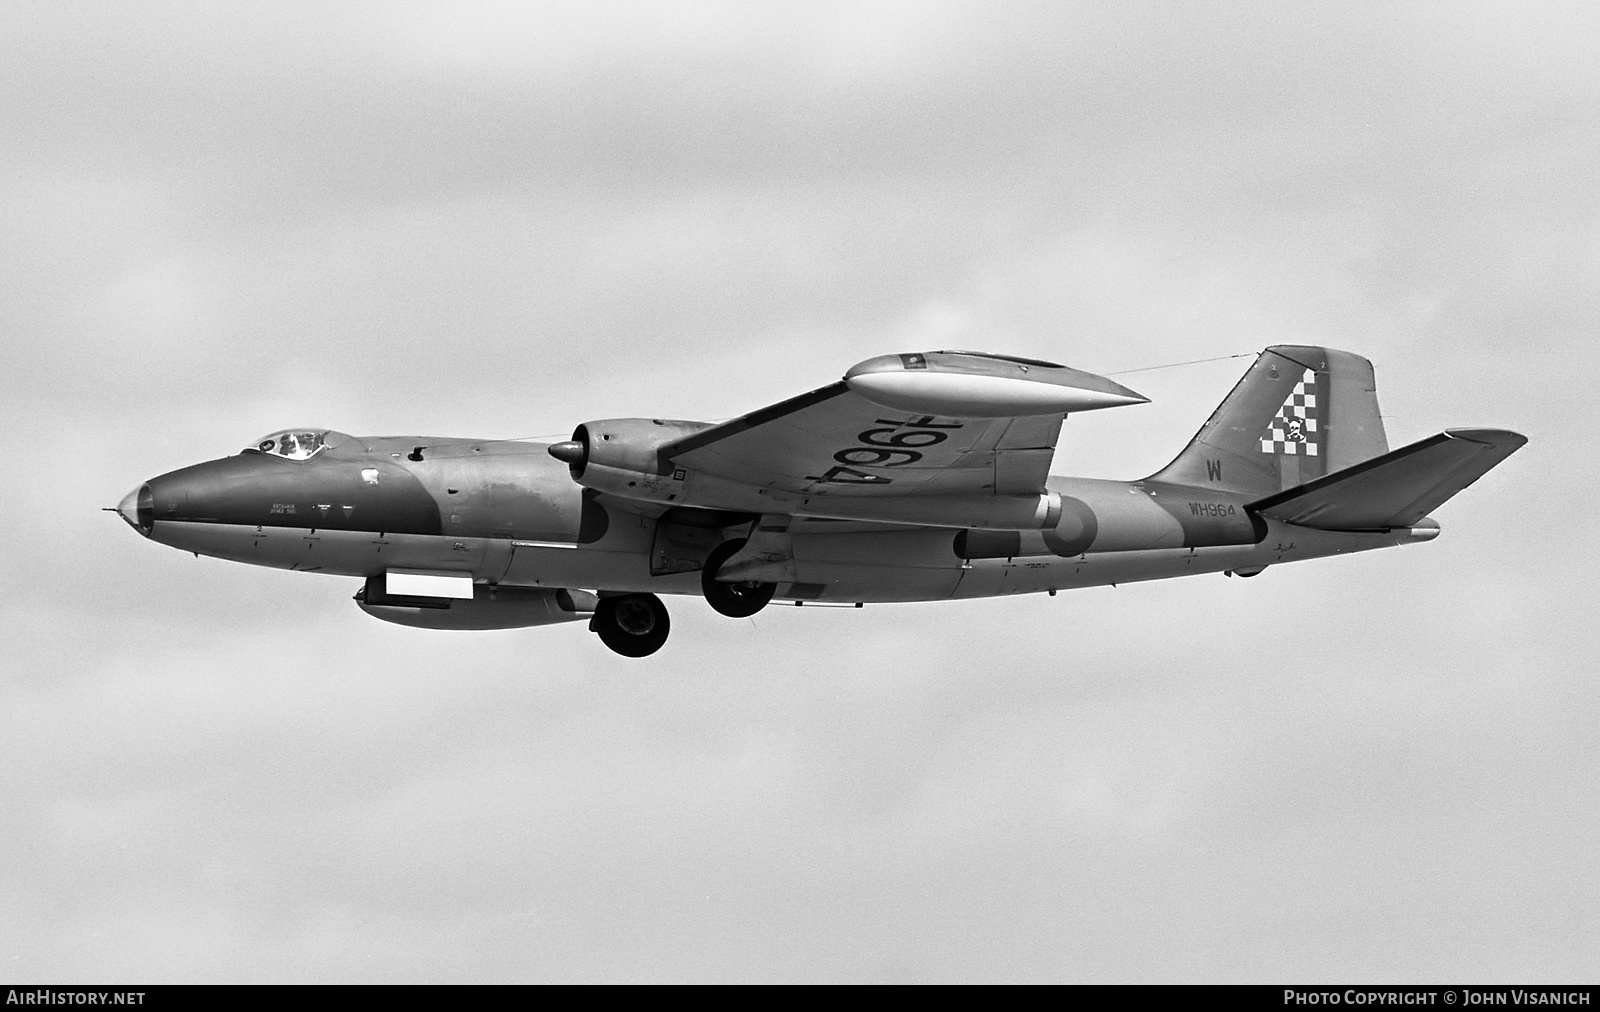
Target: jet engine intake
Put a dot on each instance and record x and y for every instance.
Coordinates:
(622, 455)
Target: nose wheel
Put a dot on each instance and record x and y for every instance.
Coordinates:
(735, 600)
(634, 625)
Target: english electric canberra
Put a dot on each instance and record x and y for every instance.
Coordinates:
(917, 477)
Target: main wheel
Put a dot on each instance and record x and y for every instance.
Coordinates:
(634, 625)
(735, 600)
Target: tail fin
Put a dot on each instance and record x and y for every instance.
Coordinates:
(1397, 489)
(1299, 413)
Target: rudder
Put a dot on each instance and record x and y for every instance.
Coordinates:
(1299, 412)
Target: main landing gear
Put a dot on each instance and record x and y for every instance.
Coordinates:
(735, 600)
(634, 625)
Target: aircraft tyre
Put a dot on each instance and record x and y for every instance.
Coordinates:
(735, 600)
(633, 625)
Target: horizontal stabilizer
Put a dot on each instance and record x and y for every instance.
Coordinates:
(1394, 490)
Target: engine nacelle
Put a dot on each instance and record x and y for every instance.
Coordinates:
(623, 455)
(490, 607)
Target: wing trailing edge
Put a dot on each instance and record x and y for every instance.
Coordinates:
(1396, 489)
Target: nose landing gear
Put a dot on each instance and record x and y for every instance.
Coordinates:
(634, 625)
(735, 600)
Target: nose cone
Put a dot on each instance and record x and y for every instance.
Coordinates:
(138, 508)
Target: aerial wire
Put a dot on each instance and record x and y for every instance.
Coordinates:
(1120, 372)
(1174, 365)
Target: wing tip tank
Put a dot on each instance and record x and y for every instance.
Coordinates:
(982, 385)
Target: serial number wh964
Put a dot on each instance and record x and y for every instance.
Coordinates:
(898, 445)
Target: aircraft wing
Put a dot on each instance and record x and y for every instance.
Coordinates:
(1397, 489)
(939, 438)
(835, 441)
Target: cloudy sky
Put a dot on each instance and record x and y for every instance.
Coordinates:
(501, 219)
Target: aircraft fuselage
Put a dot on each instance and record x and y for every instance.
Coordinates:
(507, 514)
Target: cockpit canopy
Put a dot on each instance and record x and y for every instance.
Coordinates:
(296, 444)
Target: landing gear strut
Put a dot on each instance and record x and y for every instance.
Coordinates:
(735, 600)
(634, 625)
